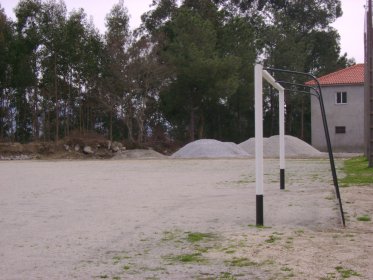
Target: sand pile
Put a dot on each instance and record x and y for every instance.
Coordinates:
(294, 147)
(138, 154)
(210, 148)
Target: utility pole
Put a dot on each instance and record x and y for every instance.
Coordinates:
(369, 83)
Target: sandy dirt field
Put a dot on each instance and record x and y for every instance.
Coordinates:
(179, 219)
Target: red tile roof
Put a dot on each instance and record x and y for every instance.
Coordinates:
(349, 76)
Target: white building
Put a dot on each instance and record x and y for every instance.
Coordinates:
(343, 95)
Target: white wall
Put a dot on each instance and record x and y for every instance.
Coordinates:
(350, 115)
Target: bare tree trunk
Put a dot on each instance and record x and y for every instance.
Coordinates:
(111, 125)
(191, 125)
(80, 118)
(56, 96)
(2, 116)
(88, 117)
(69, 102)
(34, 115)
(130, 129)
(140, 124)
(302, 121)
(273, 118)
(201, 128)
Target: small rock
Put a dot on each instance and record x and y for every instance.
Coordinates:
(67, 147)
(87, 150)
(116, 146)
(77, 148)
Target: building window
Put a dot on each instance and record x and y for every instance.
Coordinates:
(341, 97)
(340, 129)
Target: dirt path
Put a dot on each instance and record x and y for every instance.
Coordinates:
(178, 219)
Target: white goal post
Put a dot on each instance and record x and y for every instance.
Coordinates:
(261, 74)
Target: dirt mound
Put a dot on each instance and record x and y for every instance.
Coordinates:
(138, 154)
(27, 149)
(210, 148)
(294, 147)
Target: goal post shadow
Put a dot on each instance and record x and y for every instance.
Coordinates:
(261, 73)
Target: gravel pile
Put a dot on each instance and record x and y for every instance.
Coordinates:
(210, 148)
(138, 154)
(294, 147)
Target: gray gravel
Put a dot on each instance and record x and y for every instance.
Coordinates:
(210, 148)
(129, 219)
(294, 147)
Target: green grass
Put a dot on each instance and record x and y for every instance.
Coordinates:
(357, 172)
(286, 269)
(258, 226)
(126, 267)
(187, 258)
(272, 239)
(364, 218)
(346, 273)
(226, 276)
(198, 236)
(241, 262)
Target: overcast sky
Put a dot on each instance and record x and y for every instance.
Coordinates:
(350, 25)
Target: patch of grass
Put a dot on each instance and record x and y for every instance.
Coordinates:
(329, 276)
(272, 239)
(230, 251)
(103, 276)
(299, 232)
(346, 273)
(170, 235)
(202, 249)
(226, 276)
(241, 262)
(117, 259)
(153, 269)
(126, 267)
(198, 236)
(268, 262)
(357, 172)
(187, 258)
(364, 218)
(259, 227)
(243, 181)
(286, 269)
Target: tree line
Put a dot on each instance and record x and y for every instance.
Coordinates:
(185, 73)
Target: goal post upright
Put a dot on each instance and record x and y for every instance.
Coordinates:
(282, 137)
(261, 74)
(259, 144)
(269, 78)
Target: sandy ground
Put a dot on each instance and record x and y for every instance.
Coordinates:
(131, 219)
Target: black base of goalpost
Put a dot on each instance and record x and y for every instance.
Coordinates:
(259, 210)
(282, 179)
